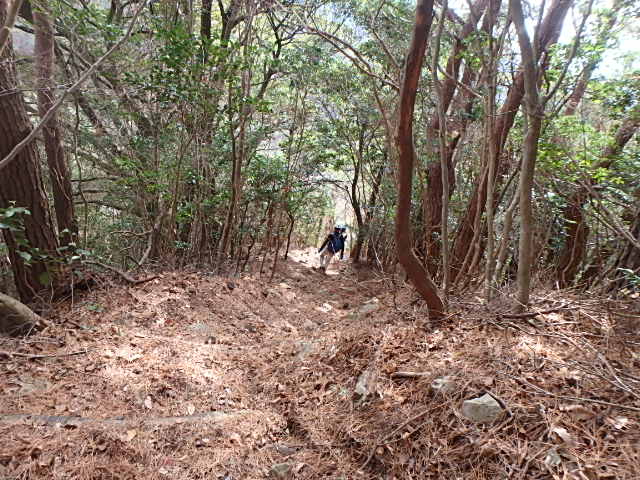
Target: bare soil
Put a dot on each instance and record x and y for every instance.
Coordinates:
(194, 376)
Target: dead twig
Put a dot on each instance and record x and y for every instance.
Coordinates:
(400, 374)
(51, 355)
(128, 278)
(535, 314)
(567, 397)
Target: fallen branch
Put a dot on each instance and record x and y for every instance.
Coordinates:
(16, 318)
(52, 355)
(410, 374)
(128, 278)
(74, 422)
(534, 314)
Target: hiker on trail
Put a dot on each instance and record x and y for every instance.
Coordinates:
(334, 243)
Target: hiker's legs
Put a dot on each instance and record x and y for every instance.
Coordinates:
(325, 259)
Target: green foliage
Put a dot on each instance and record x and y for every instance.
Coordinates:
(11, 220)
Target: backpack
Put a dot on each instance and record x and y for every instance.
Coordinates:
(336, 243)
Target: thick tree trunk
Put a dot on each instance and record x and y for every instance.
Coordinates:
(406, 155)
(21, 184)
(58, 170)
(629, 260)
(16, 318)
(205, 28)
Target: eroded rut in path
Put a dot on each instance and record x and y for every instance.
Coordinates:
(161, 357)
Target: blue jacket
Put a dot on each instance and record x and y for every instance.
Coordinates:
(336, 243)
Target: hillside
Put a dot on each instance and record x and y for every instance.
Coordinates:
(192, 375)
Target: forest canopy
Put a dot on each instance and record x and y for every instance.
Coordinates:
(476, 144)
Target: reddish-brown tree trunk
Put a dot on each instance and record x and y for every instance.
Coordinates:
(21, 184)
(58, 170)
(406, 156)
(432, 198)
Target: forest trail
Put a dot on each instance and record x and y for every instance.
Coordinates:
(193, 375)
(142, 368)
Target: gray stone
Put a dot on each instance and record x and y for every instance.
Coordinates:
(281, 470)
(368, 308)
(365, 386)
(309, 325)
(443, 385)
(285, 450)
(484, 409)
(552, 459)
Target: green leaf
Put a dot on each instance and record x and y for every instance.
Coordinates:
(26, 256)
(45, 278)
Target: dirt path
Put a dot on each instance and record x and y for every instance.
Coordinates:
(181, 346)
(194, 376)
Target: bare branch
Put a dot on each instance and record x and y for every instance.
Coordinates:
(56, 106)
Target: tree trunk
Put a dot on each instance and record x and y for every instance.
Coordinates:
(406, 155)
(546, 36)
(205, 28)
(433, 194)
(355, 203)
(292, 221)
(629, 260)
(605, 31)
(373, 200)
(21, 184)
(534, 115)
(58, 170)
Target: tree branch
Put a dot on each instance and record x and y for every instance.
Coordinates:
(56, 106)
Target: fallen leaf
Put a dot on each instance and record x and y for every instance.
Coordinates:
(618, 423)
(190, 409)
(564, 435)
(127, 354)
(131, 435)
(578, 412)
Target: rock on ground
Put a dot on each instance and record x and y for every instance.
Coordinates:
(484, 409)
(365, 386)
(281, 470)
